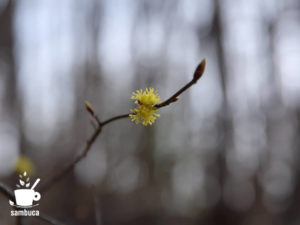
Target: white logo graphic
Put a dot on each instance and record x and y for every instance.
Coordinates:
(25, 195)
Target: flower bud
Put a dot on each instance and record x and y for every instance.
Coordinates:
(199, 70)
(89, 108)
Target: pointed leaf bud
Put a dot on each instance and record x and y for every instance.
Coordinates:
(89, 108)
(199, 70)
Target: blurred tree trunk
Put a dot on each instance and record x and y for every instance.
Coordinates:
(11, 106)
(7, 59)
(221, 214)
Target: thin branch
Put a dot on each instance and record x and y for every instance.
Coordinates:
(58, 176)
(46, 185)
(174, 97)
(197, 74)
(8, 193)
(114, 119)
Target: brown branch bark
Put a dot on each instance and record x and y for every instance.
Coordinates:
(197, 74)
(114, 119)
(54, 179)
(58, 176)
(6, 191)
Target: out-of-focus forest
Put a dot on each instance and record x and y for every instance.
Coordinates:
(226, 153)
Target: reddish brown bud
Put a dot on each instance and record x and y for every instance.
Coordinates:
(199, 70)
(174, 99)
(89, 108)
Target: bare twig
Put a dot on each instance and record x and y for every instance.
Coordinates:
(71, 164)
(114, 119)
(53, 180)
(197, 74)
(58, 176)
(8, 193)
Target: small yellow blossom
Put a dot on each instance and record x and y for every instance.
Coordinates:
(24, 164)
(146, 100)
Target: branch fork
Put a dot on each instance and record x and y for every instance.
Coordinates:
(99, 125)
(98, 128)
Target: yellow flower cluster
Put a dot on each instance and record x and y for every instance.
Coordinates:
(146, 100)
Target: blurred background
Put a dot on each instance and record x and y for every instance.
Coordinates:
(226, 153)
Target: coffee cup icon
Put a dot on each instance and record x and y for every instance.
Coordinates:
(25, 197)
